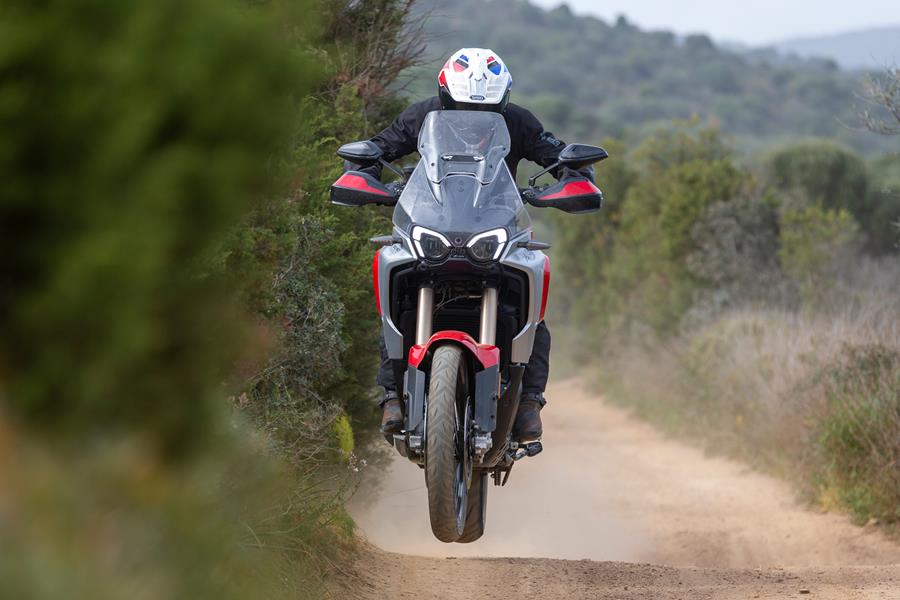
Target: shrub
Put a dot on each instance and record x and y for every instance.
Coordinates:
(816, 244)
(736, 253)
(823, 172)
(133, 141)
(681, 173)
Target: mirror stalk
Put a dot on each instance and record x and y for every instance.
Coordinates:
(396, 171)
(533, 179)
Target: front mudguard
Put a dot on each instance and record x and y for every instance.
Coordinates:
(486, 362)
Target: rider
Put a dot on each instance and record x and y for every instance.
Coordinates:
(477, 79)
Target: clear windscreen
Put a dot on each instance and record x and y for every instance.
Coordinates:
(463, 142)
(462, 185)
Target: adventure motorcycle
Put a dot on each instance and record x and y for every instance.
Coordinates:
(461, 286)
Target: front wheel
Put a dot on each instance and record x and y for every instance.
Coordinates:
(448, 464)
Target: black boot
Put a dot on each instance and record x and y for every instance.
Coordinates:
(392, 415)
(528, 419)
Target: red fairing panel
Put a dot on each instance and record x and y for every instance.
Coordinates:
(488, 356)
(375, 285)
(575, 188)
(546, 291)
(355, 182)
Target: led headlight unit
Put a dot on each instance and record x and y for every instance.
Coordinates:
(487, 245)
(430, 245)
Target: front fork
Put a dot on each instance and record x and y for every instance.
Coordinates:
(487, 331)
(487, 381)
(424, 315)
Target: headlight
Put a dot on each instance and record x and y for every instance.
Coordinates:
(487, 245)
(430, 244)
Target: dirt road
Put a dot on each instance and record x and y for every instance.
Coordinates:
(614, 497)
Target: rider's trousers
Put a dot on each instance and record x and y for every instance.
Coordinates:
(534, 381)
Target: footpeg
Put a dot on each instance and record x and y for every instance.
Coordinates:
(528, 450)
(400, 444)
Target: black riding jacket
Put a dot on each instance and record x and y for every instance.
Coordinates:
(529, 140)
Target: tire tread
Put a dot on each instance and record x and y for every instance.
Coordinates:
(440, 452)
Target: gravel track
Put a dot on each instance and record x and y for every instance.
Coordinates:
(613, 509)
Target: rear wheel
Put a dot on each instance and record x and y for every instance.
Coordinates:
(448, 464)
(476, 514)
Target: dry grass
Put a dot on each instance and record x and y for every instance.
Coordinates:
(812, 394)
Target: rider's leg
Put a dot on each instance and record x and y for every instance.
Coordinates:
(392, 412)
(534, 382)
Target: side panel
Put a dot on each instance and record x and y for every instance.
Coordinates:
(415, 398)
(531, 263)
(389, 258)
(486, 389)
(507, 405)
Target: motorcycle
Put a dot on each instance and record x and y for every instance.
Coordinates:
(461, 286)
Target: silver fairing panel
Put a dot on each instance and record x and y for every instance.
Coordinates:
(532, 264)
(391, 257)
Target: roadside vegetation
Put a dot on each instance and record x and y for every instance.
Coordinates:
(755, 309)
(186, 326)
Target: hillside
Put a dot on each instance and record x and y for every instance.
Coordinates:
(589, 78)
(864, 49)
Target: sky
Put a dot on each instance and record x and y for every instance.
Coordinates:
(755, 23)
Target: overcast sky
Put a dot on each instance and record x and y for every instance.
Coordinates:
(755, 22)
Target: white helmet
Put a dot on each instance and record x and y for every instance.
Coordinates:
(474, 79)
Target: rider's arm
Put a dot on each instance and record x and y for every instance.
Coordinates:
(543, 148)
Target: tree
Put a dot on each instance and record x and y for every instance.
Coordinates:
(884, 91)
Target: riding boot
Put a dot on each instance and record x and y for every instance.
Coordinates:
(528, 425)
(392, 413)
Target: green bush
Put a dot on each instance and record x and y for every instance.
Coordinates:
(736, 250)
(135, 135)
(681, 173)
(884, 202)
(822, 172)
(814, 243)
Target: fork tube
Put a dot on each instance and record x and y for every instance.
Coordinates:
(488, 331)
(424, 314)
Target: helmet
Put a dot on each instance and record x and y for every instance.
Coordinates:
(474, 79)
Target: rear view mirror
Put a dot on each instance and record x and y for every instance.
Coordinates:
(363, 153)
(573, 156)
(574, 195)
(355, 188)
(578, 156)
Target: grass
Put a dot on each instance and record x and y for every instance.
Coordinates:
(812, 395)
